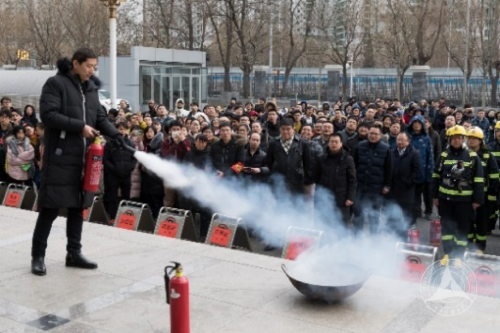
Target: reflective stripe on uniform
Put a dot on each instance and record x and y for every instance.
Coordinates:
(453, 162)
(486, 156)
(445, 154)
(492, 198)
(447, 237)
(472, 154)
(470, 236)
(455, 192)
(495, 153)
(478, 180)
(481, 238)
(461, 243)
(494, 175)
(436, 175)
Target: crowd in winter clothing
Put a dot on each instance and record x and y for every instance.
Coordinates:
(366, 154)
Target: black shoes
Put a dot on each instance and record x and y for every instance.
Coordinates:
(38, 266)
(78, 260)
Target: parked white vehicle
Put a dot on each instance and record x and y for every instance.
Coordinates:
(105, 99)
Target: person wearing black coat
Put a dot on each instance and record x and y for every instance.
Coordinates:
(406, 172)
(290, 157)
(254, 160)
(199, 158)
(72, 115)
(118, 167)
(225, 154)
(373, 173)
(152, 190)
(30, 115)
(335, 172)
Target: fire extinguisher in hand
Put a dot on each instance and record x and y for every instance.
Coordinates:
(93, 166)
(177, 289)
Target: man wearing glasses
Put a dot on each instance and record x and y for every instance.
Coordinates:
(374, 173)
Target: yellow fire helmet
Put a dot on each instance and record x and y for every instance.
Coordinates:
(475, 132)
(456, 130)
(497, 126)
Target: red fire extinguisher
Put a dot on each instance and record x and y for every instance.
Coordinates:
(435, 232)
(414, 237)
(177, 289)
(93, 166)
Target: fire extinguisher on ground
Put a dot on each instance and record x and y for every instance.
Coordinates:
(177, 289)
(435, 232)
(93, 166)
(414, 237)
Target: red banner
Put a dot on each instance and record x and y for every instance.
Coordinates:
(127, 220)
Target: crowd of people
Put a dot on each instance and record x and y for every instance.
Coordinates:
(367, 154)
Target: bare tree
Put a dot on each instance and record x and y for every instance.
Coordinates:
(12, 34)
(343, 33)
(425, 19)
(489, 30)
(47, 29)
(84, 25)
(296, 35)
(223, 32)
(455, 34)
(392, 37)
(248, 18)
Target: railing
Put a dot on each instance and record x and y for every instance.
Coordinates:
(305, 86)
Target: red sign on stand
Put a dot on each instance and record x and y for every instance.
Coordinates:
(13, 199)
(221, 235)
(127, 220)
(412, 269)
(298, 245)
(168, 228)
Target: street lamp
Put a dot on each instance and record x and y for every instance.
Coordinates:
(113, 7)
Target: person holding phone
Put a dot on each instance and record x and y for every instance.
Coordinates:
(254, 160)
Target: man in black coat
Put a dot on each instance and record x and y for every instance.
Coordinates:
(335, 171)
(406, 171)
(225, 155)
(254, 160)
(290, 157)
(72, 115)
(373, 173)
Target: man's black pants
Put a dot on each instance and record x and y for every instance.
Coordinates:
(46, 217)
(111, 186)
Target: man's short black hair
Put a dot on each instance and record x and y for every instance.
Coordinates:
(5, 98)
(336, 135)
(272, 110)
(376, 126)
(122, 124)
(224, 124)
(194, 103)
(201, 137)
(364, 124)
(287, 122)
(174, 123)
(5, 113)
(83, 54)
(259, 108)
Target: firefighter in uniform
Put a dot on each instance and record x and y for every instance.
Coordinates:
(458, 190)
(495, 151)
(477, 235)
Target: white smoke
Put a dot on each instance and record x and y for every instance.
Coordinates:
(270, 210)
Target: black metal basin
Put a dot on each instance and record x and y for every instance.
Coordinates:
(335, 292)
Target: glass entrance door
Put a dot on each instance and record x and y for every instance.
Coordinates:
(166, 98)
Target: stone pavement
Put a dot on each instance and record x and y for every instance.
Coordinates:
(231, 291)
